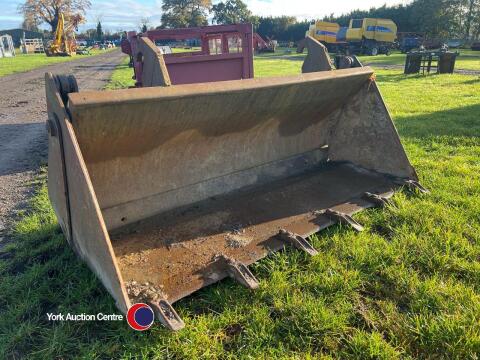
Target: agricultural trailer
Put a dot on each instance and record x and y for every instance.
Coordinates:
(225, 53)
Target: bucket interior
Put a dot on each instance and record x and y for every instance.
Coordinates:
(177, 251)
(188, 175)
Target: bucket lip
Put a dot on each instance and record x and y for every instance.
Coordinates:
(133, 95)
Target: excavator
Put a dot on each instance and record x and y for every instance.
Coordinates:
(64, 43)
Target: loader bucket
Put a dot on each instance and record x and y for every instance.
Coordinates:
(165, 190)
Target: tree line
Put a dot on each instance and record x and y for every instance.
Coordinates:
(459, 19)
(446, 19)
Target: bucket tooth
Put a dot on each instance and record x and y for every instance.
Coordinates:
(297, 241)
(376, 199)
(343, 218)
(167, 315)
(412, 185)
(240, 272)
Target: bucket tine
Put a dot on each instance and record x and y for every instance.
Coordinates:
(378, 200)
(343, 219)
(239, 272)
(297, 241)
(412, 185)
(167, 315)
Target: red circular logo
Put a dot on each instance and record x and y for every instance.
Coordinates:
(140, 317)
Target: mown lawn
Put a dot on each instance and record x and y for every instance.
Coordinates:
(467, 60)
(25, 62)
(408, 287)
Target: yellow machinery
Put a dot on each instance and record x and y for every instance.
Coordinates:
(324, 31)
(64, 43)
(368, 36)
(380, 30)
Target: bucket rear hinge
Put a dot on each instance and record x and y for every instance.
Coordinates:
(167, 315)
(376, 199)
(239, 272)
(411, 185)
(343, 218)
(297, 241)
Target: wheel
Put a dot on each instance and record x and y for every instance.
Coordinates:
(301, 46)
(66, 84)
(374, 51)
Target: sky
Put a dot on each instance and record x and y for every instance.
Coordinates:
(126, 14)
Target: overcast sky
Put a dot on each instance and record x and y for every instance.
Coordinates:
(126, 14)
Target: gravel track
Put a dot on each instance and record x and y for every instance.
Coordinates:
(23, 138)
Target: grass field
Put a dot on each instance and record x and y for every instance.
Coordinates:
(25, 62)
(408, 287)
(467, 60)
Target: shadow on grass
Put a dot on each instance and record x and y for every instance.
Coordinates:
(472, 81)
(395, 78)
(458, 122)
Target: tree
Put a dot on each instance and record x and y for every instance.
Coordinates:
(231, 12)
(99, 32)
(185, 13)
(472, 17)
(276, 27)
(144, 24)
(90, 34)
(437, 18)
(30, 23)
(48, 11)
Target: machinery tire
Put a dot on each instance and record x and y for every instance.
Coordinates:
(374, 51)
(301, 46)
(66, 84)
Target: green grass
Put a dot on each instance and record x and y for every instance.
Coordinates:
(467, 60)
(408, 287)
(25, 62)
(122, 76)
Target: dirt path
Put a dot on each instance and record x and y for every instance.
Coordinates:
(23, 138)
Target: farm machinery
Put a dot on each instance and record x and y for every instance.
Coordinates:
(363, 36)
(63, 43)
(166, 189)
(260, 45)
(224, 53)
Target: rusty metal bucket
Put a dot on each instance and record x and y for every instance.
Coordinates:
(165, 190)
